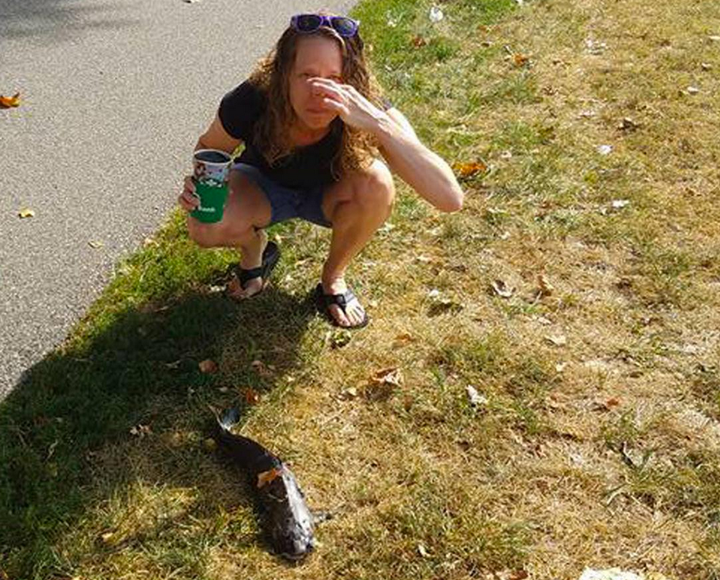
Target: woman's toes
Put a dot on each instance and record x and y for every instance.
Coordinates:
(338, 314)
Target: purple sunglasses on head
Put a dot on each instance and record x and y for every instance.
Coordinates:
(307, 23)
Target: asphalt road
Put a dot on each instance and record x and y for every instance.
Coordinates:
(115, 94)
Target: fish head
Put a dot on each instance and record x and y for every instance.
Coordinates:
(296, 548)
(292, 530)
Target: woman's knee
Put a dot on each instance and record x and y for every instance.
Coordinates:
(204, 235)
(375, 189)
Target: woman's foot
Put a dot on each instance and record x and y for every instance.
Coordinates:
(250, 277)
(340, 304)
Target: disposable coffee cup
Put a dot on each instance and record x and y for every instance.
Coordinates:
(210, 174)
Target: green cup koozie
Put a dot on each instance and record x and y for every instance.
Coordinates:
(212, 201)
(210, 174)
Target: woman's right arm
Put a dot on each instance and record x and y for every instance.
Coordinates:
(215, 137)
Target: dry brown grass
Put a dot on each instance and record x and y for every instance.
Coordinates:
(602, 452)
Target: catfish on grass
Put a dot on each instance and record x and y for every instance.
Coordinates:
(286, 518)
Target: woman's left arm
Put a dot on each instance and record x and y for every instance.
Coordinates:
(422, 169)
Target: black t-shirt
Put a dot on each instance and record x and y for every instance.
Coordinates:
(305, 167)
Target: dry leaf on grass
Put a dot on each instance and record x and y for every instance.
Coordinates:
(107, 538)
(390, 376)
(475, 398)
(268, 476)
(466, 170)
(422, 551)
(26, 212)
(418, 41)
(9, 102)
(502, 289)
(382, 384)
(546, 289)
(557, 339)
(404, 338)
(252, 397)
(96, 244)
(627, 124)
(607, 405)
(140, 431)
(520, 59)
(208, 366)
(350, 393)
(261, 368)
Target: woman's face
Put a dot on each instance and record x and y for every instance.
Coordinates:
(316, 57)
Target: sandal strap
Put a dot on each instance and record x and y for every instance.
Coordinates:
(244, 276)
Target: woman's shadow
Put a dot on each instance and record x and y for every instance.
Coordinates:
(127, 406)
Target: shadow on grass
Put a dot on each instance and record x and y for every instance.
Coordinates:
(80, 403)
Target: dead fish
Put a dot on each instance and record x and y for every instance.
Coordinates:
(288, 522)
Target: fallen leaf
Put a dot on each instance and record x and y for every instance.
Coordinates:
(546, 289)
(350, 392)
(444, 305)
(619, 203)
(261, 368)
(475, 398)
(390, 376)
(208, 366)
(107, 537)
(612, 402)
(465, 170)
(404, 338)
(422, 551)
(252, 397)
(268, 476)
(595, 47)
(26, 212)
(140, 430)
(520, 59)
(557, 339)
(627, 124)
(418, 41)
(502, 289)
(96, 244)
(9, 102)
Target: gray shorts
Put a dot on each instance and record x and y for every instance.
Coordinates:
(287, 203)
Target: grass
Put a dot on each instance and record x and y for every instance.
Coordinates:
(599, 444)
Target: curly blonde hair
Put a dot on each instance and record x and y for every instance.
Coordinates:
(272, 75)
